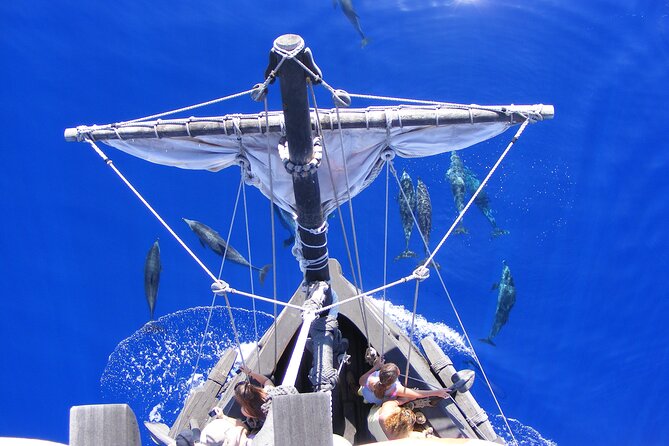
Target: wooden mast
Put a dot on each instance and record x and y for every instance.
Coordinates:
(295, 104)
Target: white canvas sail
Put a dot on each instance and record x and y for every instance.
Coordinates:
(362, 145)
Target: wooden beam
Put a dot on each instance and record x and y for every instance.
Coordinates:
(373, 117)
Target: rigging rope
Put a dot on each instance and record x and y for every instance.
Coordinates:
(385, 263)
(227, 302)
(441, 280)
(183, 109)
(248, 247)
(358, 286)
(110, 163)
(413, 325)
(480, 188)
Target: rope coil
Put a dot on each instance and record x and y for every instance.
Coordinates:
(301, 170)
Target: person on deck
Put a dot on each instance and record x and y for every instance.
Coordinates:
(381, 383)
(390, 421)
(254, 401)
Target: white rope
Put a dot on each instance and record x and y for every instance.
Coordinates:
(183, 109)
(350, 199)
(455, 311)
(370, 292)
(413, 326)
(227, 302)
(248, 247)
(385, 262)
(481, 186)
(441, 104)
(358, 286)
(110, 163)
(264, 299)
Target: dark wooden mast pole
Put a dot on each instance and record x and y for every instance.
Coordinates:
(293, 82)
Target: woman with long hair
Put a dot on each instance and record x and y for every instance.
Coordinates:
(390, 421)
(253, 399)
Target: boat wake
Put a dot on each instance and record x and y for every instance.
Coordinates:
(153, 370)
(526, 435)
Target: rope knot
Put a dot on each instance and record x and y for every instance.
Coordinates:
(341, 98)
(259, 92)
(220, 287)
(421, 273)
(388, 154)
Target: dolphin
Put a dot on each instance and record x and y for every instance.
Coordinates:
(288, 222)
(506, 298)
(407, 202)
(424, 214)
(456, 176)
(152, 269)
(349, 12)
(482, 201)
(212, 239)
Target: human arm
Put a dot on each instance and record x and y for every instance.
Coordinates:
(377, 365)
(405, 394)
(262, 379)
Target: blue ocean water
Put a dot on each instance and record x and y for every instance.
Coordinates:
(582, 359)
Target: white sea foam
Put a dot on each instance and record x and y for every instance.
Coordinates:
(154, 415)
(525, 435)
(449, 340)
(155, 369)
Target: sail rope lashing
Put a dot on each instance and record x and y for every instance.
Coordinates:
(273, 228)
(356, 284)
(310, 264)
(480, 188)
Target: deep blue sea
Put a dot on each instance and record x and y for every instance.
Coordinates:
(583, 357)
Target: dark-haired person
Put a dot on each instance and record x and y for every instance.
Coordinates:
(254, 400)
(381, 383)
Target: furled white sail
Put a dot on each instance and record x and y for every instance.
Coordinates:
(362, 149)
(217, 143)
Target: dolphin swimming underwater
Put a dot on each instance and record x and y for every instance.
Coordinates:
(506, 298)
(482, 201)
(212, 239)
(456, 176)
(407, 202)
(349, 12)
(424, 215)
(152, 269)
(288, 222)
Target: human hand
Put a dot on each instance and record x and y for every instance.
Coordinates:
(443, 393)
(378, 362)
(245, 370)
